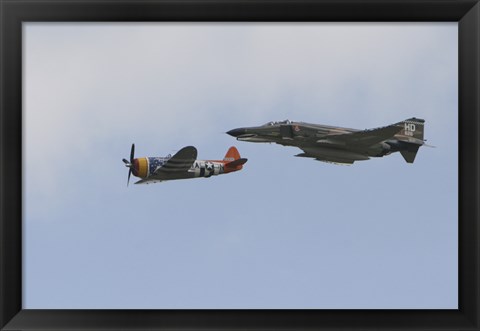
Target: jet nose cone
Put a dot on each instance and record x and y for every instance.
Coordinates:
(236, 132)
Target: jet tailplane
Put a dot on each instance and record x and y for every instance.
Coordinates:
(410, 153)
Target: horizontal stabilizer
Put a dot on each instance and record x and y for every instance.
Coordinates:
(410, 154)
(236, 163)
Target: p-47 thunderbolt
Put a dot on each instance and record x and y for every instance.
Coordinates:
(339, 145)
(182, 165)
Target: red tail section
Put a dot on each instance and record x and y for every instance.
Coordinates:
(233, 161)
(231, 155)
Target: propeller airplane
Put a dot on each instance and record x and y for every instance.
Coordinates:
(182, 165)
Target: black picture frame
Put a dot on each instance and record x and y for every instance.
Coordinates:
(14, 12)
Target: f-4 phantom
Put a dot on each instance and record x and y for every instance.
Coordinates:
(182, 165)
(339, 145)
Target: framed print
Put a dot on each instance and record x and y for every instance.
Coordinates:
(374, 223)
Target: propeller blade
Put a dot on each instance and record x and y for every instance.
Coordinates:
(132, 153)
(130, 164)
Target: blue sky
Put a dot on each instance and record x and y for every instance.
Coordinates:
(284, 232)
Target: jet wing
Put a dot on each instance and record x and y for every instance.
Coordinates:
(363, 138)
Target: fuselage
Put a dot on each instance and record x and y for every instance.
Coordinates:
(321, 141)
(182, 165)
(145, 167)
(304, 135)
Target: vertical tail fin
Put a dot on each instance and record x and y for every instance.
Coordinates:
(411, 137)
(412, 128)
(231, 155)
(233, 160)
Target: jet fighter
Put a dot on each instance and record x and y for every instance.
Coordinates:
(182, 165)
(339, 145)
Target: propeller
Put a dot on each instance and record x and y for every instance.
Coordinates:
(130, 164)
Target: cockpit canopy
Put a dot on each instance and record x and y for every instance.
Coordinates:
(277, 123)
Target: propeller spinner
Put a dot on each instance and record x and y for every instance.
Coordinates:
(130, 164)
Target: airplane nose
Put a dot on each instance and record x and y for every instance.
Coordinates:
(236, 132)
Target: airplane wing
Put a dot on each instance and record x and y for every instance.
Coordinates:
(363, 138)
(180, 162)
(148, 181)
(177, 164)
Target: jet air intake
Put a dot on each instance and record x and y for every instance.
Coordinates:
(286, 131)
